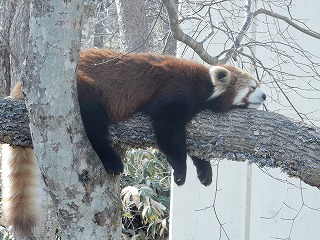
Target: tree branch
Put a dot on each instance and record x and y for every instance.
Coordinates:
(181, 36)
(264, 138)
(237, 38)
(287, 20)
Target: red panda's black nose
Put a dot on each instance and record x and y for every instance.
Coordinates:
(264, 97)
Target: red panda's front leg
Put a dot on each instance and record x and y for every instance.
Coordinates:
(95, 121)
(171, 141)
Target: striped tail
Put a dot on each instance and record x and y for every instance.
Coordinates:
(21, 186)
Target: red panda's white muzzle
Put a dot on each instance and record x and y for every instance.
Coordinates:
(256, 98)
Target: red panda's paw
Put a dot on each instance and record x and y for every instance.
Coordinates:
(179, 179)
(204, 170)
(179, 175)
(114, 169)
(113, 165)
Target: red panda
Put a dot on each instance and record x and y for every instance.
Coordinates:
(20, 183)
(112, 86)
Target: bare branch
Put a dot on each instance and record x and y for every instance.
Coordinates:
(239, 37)
(198, 46)
(181, 36)
(287, 20)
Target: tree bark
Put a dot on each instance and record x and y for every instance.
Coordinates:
(7, 9)
(86, 199)
(264, 138)
(19, 40)
(132, 25)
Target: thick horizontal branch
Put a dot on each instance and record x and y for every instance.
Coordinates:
(264, 138)
(14, 123)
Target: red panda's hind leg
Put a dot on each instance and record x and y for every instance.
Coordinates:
(171, 141)
(95, 121)
(204, 170)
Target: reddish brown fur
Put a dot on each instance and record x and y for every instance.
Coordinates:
(20, 197)
(123, 91)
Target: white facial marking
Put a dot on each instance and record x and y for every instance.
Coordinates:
(253, 84)
(238, 100)
(216, 93)
(256, 98)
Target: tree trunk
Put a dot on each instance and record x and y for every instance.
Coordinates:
(99, 28)
(19, 40)
(132, 25)
(265, 138)
(86, 199)
(13, 42)
(98, 38)
(7, 9)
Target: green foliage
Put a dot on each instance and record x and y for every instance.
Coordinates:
(145, 195)
(5, 233)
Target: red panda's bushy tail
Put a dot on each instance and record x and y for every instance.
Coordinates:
(20, 181)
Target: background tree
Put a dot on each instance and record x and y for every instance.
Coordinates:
(132, 25)
(6, 13)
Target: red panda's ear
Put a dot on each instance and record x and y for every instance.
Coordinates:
(220, 75)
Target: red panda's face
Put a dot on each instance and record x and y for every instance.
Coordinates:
(243, 89)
